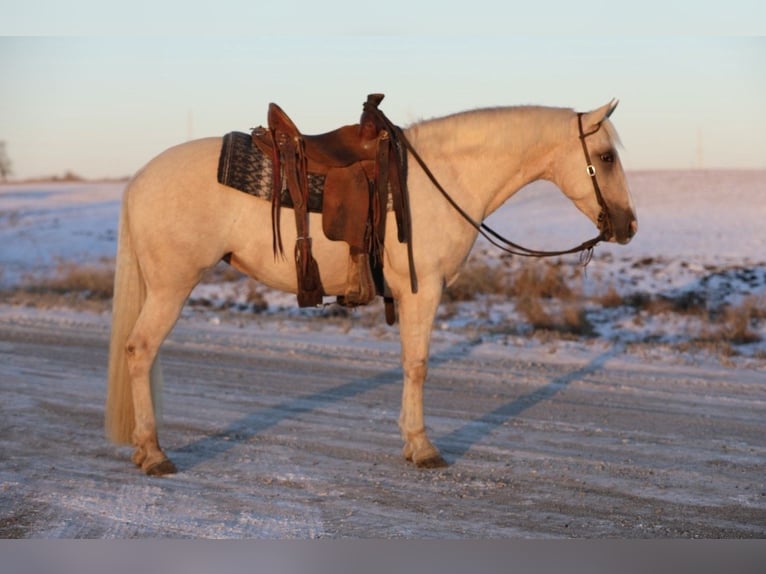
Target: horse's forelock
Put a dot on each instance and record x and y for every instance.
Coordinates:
(614, 137)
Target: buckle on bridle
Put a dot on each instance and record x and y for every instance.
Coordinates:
(591, 170)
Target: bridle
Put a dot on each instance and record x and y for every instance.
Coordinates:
(585, 248)
(604, 218)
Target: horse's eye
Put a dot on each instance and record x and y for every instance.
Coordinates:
(607, 157)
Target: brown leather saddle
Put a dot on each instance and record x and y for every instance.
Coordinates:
(365, 171)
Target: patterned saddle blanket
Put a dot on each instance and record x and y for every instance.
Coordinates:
(243, 166)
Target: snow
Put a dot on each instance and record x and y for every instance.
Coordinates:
(701, 242)
(633, 431)
(42, 224)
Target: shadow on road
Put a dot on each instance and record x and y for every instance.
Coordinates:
(455, 444)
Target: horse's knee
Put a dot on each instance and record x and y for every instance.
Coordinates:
(416, 372)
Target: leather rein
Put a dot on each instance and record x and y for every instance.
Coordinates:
(585, 248)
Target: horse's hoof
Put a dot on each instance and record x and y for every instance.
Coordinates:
(434, 461)
(162, 468)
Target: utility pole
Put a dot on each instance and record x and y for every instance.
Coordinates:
(5, 163)
(190, 125)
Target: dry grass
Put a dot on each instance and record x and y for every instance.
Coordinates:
(736, 324)
(72, 285)
(610, 299)
(539, 279)
(544, 296)
(727, 324)
(540, 290)
(542, 280)
(254, 298)
(542, 293)
(570, 318)
(94, 282)
(478, 278)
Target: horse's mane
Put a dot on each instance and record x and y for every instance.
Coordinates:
(489, 115)
(494, 122)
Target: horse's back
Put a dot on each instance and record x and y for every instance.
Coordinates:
(193, 161)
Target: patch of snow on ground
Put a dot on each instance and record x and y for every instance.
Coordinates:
(42, 224)
(701, 244)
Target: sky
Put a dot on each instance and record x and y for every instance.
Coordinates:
(101, 91)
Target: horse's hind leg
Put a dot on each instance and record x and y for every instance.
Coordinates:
(157, 318)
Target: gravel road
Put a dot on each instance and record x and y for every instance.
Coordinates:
(290, 432)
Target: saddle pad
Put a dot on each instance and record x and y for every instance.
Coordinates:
(243, 166)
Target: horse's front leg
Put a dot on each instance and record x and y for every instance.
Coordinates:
(416, 316)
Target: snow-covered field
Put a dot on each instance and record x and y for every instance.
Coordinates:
(701, 249)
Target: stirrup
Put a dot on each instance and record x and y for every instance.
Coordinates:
(360, 286)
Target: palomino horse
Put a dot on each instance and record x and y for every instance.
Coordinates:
(177, 222)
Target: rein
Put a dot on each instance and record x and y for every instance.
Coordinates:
(508, 246)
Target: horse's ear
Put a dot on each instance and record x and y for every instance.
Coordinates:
(612, 106)
(591, 120)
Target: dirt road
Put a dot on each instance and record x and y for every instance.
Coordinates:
(290, 432)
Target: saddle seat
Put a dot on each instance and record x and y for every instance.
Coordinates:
(354, 160)
(339, 148)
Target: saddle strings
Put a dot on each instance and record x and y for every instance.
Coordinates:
(506, 245)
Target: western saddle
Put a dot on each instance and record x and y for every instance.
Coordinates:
(365, 171)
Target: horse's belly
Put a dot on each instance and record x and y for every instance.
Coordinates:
(255, 253)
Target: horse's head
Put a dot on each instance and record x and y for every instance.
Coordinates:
(589, 172)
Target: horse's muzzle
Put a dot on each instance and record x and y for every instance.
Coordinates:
(628, 231)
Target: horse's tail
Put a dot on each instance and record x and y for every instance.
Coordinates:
(128, 299)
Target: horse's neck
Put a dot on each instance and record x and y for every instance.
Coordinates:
(486, 156)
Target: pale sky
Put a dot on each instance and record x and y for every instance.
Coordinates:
(102, 105)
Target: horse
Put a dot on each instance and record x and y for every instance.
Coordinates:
(177, 222)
